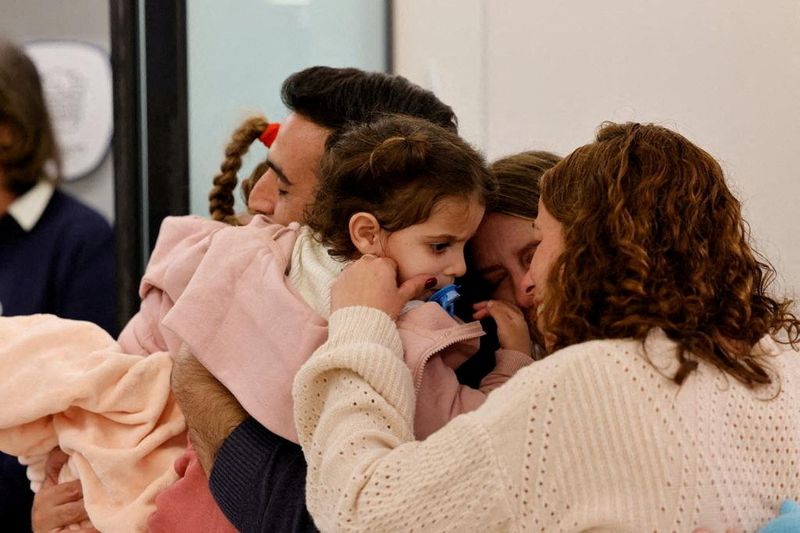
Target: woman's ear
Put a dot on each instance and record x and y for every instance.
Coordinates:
(365, 231)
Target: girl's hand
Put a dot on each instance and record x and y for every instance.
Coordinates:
(512, 328)
(372, 282)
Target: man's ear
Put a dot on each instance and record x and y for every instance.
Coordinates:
(365, 232)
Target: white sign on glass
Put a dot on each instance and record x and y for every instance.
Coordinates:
(76, 79)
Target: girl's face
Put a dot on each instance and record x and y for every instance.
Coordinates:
(435, 246)
(502, 249)
(548, 234)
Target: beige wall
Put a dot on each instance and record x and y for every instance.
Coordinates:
(439, 45)
(725, 73)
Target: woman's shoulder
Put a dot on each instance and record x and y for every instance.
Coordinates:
(632, 362)
(599, 352)
(618, 363)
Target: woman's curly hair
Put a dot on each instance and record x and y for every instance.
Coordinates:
(654, 238)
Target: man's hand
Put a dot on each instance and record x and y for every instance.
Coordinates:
(211, 411)
(58, 505)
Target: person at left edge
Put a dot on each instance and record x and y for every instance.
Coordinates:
(56, 254)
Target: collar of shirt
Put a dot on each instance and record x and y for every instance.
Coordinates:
(28, 208)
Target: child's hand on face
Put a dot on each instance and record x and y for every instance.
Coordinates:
(512, 328)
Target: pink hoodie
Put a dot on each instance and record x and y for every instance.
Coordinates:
(222, 290)
(253, 331)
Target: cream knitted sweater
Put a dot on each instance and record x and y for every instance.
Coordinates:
(595, 436)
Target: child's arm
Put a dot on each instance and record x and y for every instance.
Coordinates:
(515, 342)
(441, 397)
(508, 363)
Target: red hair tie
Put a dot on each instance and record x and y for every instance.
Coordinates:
(270, 132)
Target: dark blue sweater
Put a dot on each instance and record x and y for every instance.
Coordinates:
(259, 481)
(64, 266)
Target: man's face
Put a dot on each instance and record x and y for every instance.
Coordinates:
(287, 187)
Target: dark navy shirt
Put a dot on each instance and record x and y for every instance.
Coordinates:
(259, 481)
(64, 266)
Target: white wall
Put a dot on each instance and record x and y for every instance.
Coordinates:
(725, 73)
(440, 46)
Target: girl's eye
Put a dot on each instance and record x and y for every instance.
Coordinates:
(493, 282)
(282, 192)
(440, 247)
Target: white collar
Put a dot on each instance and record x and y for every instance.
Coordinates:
(28, 208)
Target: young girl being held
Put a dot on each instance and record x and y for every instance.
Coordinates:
(257, 303)
(252, 303)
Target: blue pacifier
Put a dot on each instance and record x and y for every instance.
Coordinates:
(446, 297)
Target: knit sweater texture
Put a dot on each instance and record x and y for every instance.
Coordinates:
(596, 436)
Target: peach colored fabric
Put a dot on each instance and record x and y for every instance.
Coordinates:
(67, 384)
(187, 504)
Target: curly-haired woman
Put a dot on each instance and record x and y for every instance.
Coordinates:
(665, 402)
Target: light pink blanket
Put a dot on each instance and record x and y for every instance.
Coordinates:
(67, 384)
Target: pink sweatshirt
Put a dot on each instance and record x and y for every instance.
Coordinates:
(213, 287)
(237, 275)
(253, 331)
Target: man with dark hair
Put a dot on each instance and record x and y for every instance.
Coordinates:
(336, 97)
(256, 476)
(323, 100)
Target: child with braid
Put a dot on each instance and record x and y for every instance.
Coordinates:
(400, 188)
(72, 338)
(221, 199)
(321, 100)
